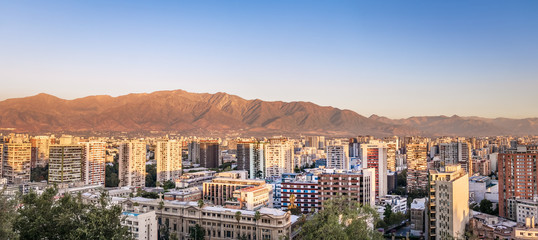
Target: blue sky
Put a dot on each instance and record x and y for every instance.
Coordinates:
(391, 58)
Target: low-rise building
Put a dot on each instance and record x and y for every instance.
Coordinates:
(221, 189)
(305, 195)
(191, 194)
(527, 231)
(194, 179)
(487, 226)
(143, 226)
(418, 216)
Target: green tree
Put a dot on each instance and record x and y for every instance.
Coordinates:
(387, 214)
(341, 219)
(197, 232)
(111, 175)
(44, 217)
(238, 219)
(151, 175)
(401, 180)
(169, 185)
(257, 217)
(7, 215)
(39, 174)
(486, 206)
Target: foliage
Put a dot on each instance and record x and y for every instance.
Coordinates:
(149, 194)
(7, 215)
(151, 175)
(387, 214)
(200, 203)
(39, 174)
(341, 219)
(418, 193)
(169, 185)
(197, 232)
(295, 211)
(238, 216)
(297, 169)
(486, 206)
(402, 178)
(111, 175)
(43, 217)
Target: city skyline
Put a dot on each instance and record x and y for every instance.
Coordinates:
(396, 60)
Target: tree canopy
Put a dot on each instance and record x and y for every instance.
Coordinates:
(341, 219)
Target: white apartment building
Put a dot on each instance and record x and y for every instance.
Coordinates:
(132, 164)
(337, 156)
(16, 160)
(65, 163)
(278, 159)
(143, 226)
(168, 157)
(93, 163)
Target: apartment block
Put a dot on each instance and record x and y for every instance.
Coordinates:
(209, 154)
(93, 162)
(143, 226)
(417, 167)
(337, 156)
(65, 163)
(278, 158)
(251, 157)
(132, 164)
(221, 189)
(374, 155)
(16, 162)
(305, 195)
(358, 186)
(168, 157)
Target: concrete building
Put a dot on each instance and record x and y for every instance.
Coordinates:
(40, 150)
(359, 186)
(448, 202)
(168, 157)
(191, 194)
(374, 155)
(251, 157)
(481, 167)
(278, 158)
(194, 152)
(417, 167)
(143, 226)
(93, 162)
(397, 204)
(457, 153)
(517, 176)
(337, 156)
(209, 154)
(251, 198)
(487, 226)
(65, 164)
(526, 209)
(194, 179)
(221, 189)
(528, 231)
(305, 195)
(16, 161)
(479, 186)
(219, 223)
(392, 150)
(132, 164)
(418, 216)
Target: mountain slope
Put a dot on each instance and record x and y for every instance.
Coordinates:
(187, 113)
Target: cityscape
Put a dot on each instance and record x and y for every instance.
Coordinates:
(247, 120)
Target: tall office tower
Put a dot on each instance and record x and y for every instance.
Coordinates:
(209, 153)
(278, 158)
(374, 155)
(65, 163)
(448, 202)
(457, 153)
(337, 156)
(93, 163)
(132, 164)
(16, 162)
(251, 157)
(194, 152)
(417, 167)
(517, 170)
(168, 157)
(392, 148)
(358, 186)
(40, 150)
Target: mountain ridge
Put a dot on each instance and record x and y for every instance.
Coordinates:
(221, 113)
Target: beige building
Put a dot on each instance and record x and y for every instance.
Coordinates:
(448, 202)
(337, 156)
(218, 222)
(93, 163)
(132, 164)
(16, 160)
(417, 167)
(252, 198)
(222, 189)
(528, 231)
(142, 225)
(168, 157)
(65, 163)
(278, 158)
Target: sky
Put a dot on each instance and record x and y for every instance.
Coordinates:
(391, 58)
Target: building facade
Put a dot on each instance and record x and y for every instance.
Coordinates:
(168, 157)
(358, 186)
(65, 164)
(209, 153)
(337, 156)
(93, 162)
(16, 161)
(374, 155)
(251, 157)
(278, 158)
(132, 164)
(417, 167)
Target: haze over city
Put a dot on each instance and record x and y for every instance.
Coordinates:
(390, 58)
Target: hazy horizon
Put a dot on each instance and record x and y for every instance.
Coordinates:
(394, 59)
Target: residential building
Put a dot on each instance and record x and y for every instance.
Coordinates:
(392, 150)
(448, 202)
(251, 198)
(221, 189)
(417, 167)
(16, 162)
(191, 194)
(528, 231)
(194, 152)
(337, 156)
(40, 150)
(374, 155)
(457, 153)
(132, 164)
(358, 186)
(209, 153)
(194, 179)
(418, 216)
(65, 164)
(517, 177)
(93, 162)
(251, 157)
(168, 157)
(142, 225)
(487, 226)
(278, 158)
(481, 167)
(305, 195)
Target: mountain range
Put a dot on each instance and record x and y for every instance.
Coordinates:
(221, 114)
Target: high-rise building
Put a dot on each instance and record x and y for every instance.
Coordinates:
(251, 157)
(358, 186)
(209, 153)
(16, 162)
(278, 158)
(392, 149)
(518, 177)
(40, 150)
(305, 195)
(457, 153)
(93, 162)
(194, 152)
(132, 164)
(448, 202)
(65, 163)
(168, 157)
(374, 155)
(337, 156)
(417, 167)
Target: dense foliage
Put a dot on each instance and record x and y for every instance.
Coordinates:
(111, 175)
(151, 175)
(46, 216)
(39, 174)
(7, 216)
(341, 219)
